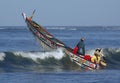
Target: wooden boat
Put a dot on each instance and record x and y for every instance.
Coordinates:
(82, 62)
(47, 41)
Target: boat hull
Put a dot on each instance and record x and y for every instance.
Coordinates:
(46, 40)
(79, 60)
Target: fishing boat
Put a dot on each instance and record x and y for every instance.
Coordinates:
(82, 62)
(47, 40)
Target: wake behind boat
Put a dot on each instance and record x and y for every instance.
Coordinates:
(47, 41)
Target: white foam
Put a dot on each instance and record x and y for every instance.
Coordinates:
(58, 54)
(2, 56)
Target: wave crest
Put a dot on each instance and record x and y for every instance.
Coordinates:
(53, 61)
(57, 54)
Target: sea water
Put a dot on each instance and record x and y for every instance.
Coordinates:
(22, 59)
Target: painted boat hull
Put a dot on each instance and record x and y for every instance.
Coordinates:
(46, 40)
(79, 60)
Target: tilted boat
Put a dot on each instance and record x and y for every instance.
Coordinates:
(47, 41)
(82, 62)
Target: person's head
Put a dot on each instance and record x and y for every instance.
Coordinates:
(82, 39)
(98, 49)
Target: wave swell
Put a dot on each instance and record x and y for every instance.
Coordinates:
(49, 61)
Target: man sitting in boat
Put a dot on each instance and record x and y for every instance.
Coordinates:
(95, 58)
(80, 48)
(98, 58)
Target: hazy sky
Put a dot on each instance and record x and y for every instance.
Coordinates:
(61, 12)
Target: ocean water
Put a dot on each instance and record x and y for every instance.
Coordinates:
(22, 59)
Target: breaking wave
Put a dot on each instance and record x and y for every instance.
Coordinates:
(112, 57)
(49, 61)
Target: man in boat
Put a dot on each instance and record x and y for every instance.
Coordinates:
(98, 58)
(80, 48)
(95, 58)
(98, 52)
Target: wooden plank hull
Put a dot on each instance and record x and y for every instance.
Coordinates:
(47, 41)
(79, 60)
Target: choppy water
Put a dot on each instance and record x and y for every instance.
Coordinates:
(62, 77)
(22, 59)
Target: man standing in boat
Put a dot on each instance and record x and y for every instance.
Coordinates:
(80, 48)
